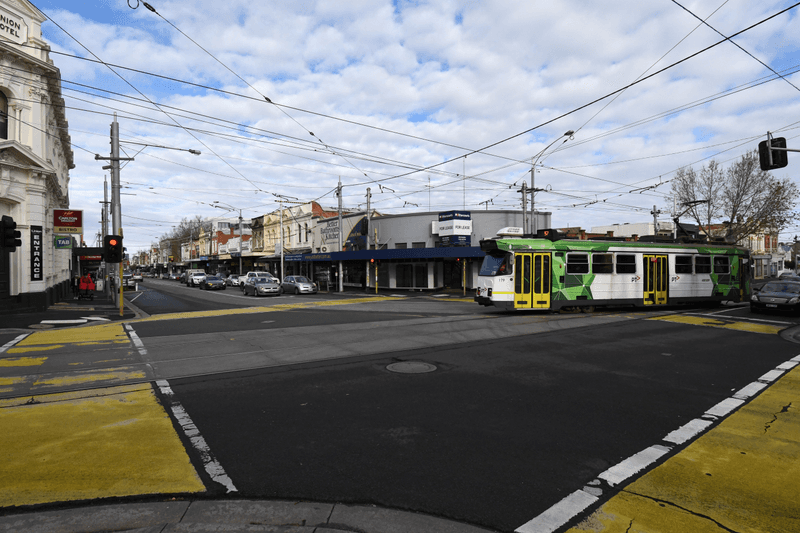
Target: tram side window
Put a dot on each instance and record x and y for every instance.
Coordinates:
(702, 264)
(602, 264)
(722, 264)
(683, 264)
(496, 266)
(626, 264)
(577, 263)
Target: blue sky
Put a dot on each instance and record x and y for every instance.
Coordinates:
(389, 87)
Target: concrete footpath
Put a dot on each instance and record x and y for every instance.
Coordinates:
(200, 516)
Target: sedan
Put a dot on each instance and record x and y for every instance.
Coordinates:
(262, 287)
(298, 285)
(232, 280)
(777, 296)
(137, 277)
(213, 282)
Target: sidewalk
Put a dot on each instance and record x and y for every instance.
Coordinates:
(68, 313)
(200, 516)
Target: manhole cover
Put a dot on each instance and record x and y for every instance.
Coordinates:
(40, 326)
(411, 367)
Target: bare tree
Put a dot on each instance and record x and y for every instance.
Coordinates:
(748, 199)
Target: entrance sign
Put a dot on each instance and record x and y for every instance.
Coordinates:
(37, 254)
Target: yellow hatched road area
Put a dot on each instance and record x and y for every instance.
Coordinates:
(743, 475)
(82, 445)
(751, 327)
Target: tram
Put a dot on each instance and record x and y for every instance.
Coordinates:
(551, 272)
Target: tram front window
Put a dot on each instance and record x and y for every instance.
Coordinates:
(496, 266)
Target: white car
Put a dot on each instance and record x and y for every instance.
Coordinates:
(232, 280)
(195, 279)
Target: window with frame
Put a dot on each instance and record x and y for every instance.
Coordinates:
(683, 264)
(626, 264)
(401, 245)
(577, 263)
(722, 264)
(602, 264)
(702, 264)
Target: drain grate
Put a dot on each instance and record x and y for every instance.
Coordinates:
(411, 367)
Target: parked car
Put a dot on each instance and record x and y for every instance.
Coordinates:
(195, 279)
(789, 276)
(188, 275)
(298, 285)
(262, 287)
(137, 277)
(127, 280)
(776, 296)
(255, 274)
(174, 276)
(232, 280)
(213, 282)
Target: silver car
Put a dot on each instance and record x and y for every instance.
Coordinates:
(262, 287)
(232, 280)
(298, 285)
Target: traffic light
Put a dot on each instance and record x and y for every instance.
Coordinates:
(11, 237)
(112, 248)
(780, 158)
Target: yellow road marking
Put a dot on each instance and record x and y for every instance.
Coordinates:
(85, 446)
(34, 348)
(89, 376)
(100, 333)
(742, 474)
(714, 323)
(254, 310)
(22, 361)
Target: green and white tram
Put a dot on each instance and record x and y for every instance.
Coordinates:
(552, 272)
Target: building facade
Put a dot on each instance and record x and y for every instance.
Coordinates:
(35, 160)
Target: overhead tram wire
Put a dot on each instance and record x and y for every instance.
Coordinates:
(266, 98)
(734, 44)
(584, 106)
(144, 96)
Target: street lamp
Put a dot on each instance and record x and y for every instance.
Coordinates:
(535, 159)
(228, 207)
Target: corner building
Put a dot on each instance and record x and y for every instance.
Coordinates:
(35, 160)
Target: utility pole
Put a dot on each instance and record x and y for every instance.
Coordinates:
(116, 207)
(524, 191)
(369, 219)
(339, 194)
(280, 204)
(655, 212)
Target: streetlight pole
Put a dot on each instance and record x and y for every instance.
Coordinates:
(533, 189)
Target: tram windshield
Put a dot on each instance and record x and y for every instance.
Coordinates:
(496, 266)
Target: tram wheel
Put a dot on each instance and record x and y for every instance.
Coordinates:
(588, 309)
(569, 310)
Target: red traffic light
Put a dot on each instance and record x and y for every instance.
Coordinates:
(112, 242)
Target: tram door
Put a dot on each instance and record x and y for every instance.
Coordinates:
(532, 281)
(655, 279)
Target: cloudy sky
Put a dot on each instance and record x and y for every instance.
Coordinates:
(433, 105)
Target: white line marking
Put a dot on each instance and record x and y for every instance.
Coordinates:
(633, 464)
(688, 431)
(724, 407)
(210, 463)
(559, 514)
(134, 299)
(136, 340)
(11, 343)
(771, 376)
(102, 319)
(74, 321)
(742, 318)
(750, 390)
(577, 502)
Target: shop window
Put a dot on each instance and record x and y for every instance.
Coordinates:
(577, 263)
(405, 275)
(602, 264)
(626, 264)
(3, 116)
(683, 264)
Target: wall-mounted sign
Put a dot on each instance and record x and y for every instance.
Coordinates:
(13, 27)
(455, 223)
(67, 221)
(62, 243)
(37, 254)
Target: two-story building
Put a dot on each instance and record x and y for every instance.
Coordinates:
(35, 160)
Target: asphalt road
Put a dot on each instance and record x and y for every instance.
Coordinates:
(499, 432)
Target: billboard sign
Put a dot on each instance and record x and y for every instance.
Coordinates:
(67, 221)
(62, 243)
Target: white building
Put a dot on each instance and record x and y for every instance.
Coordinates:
(637, 228)
(35, 159)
